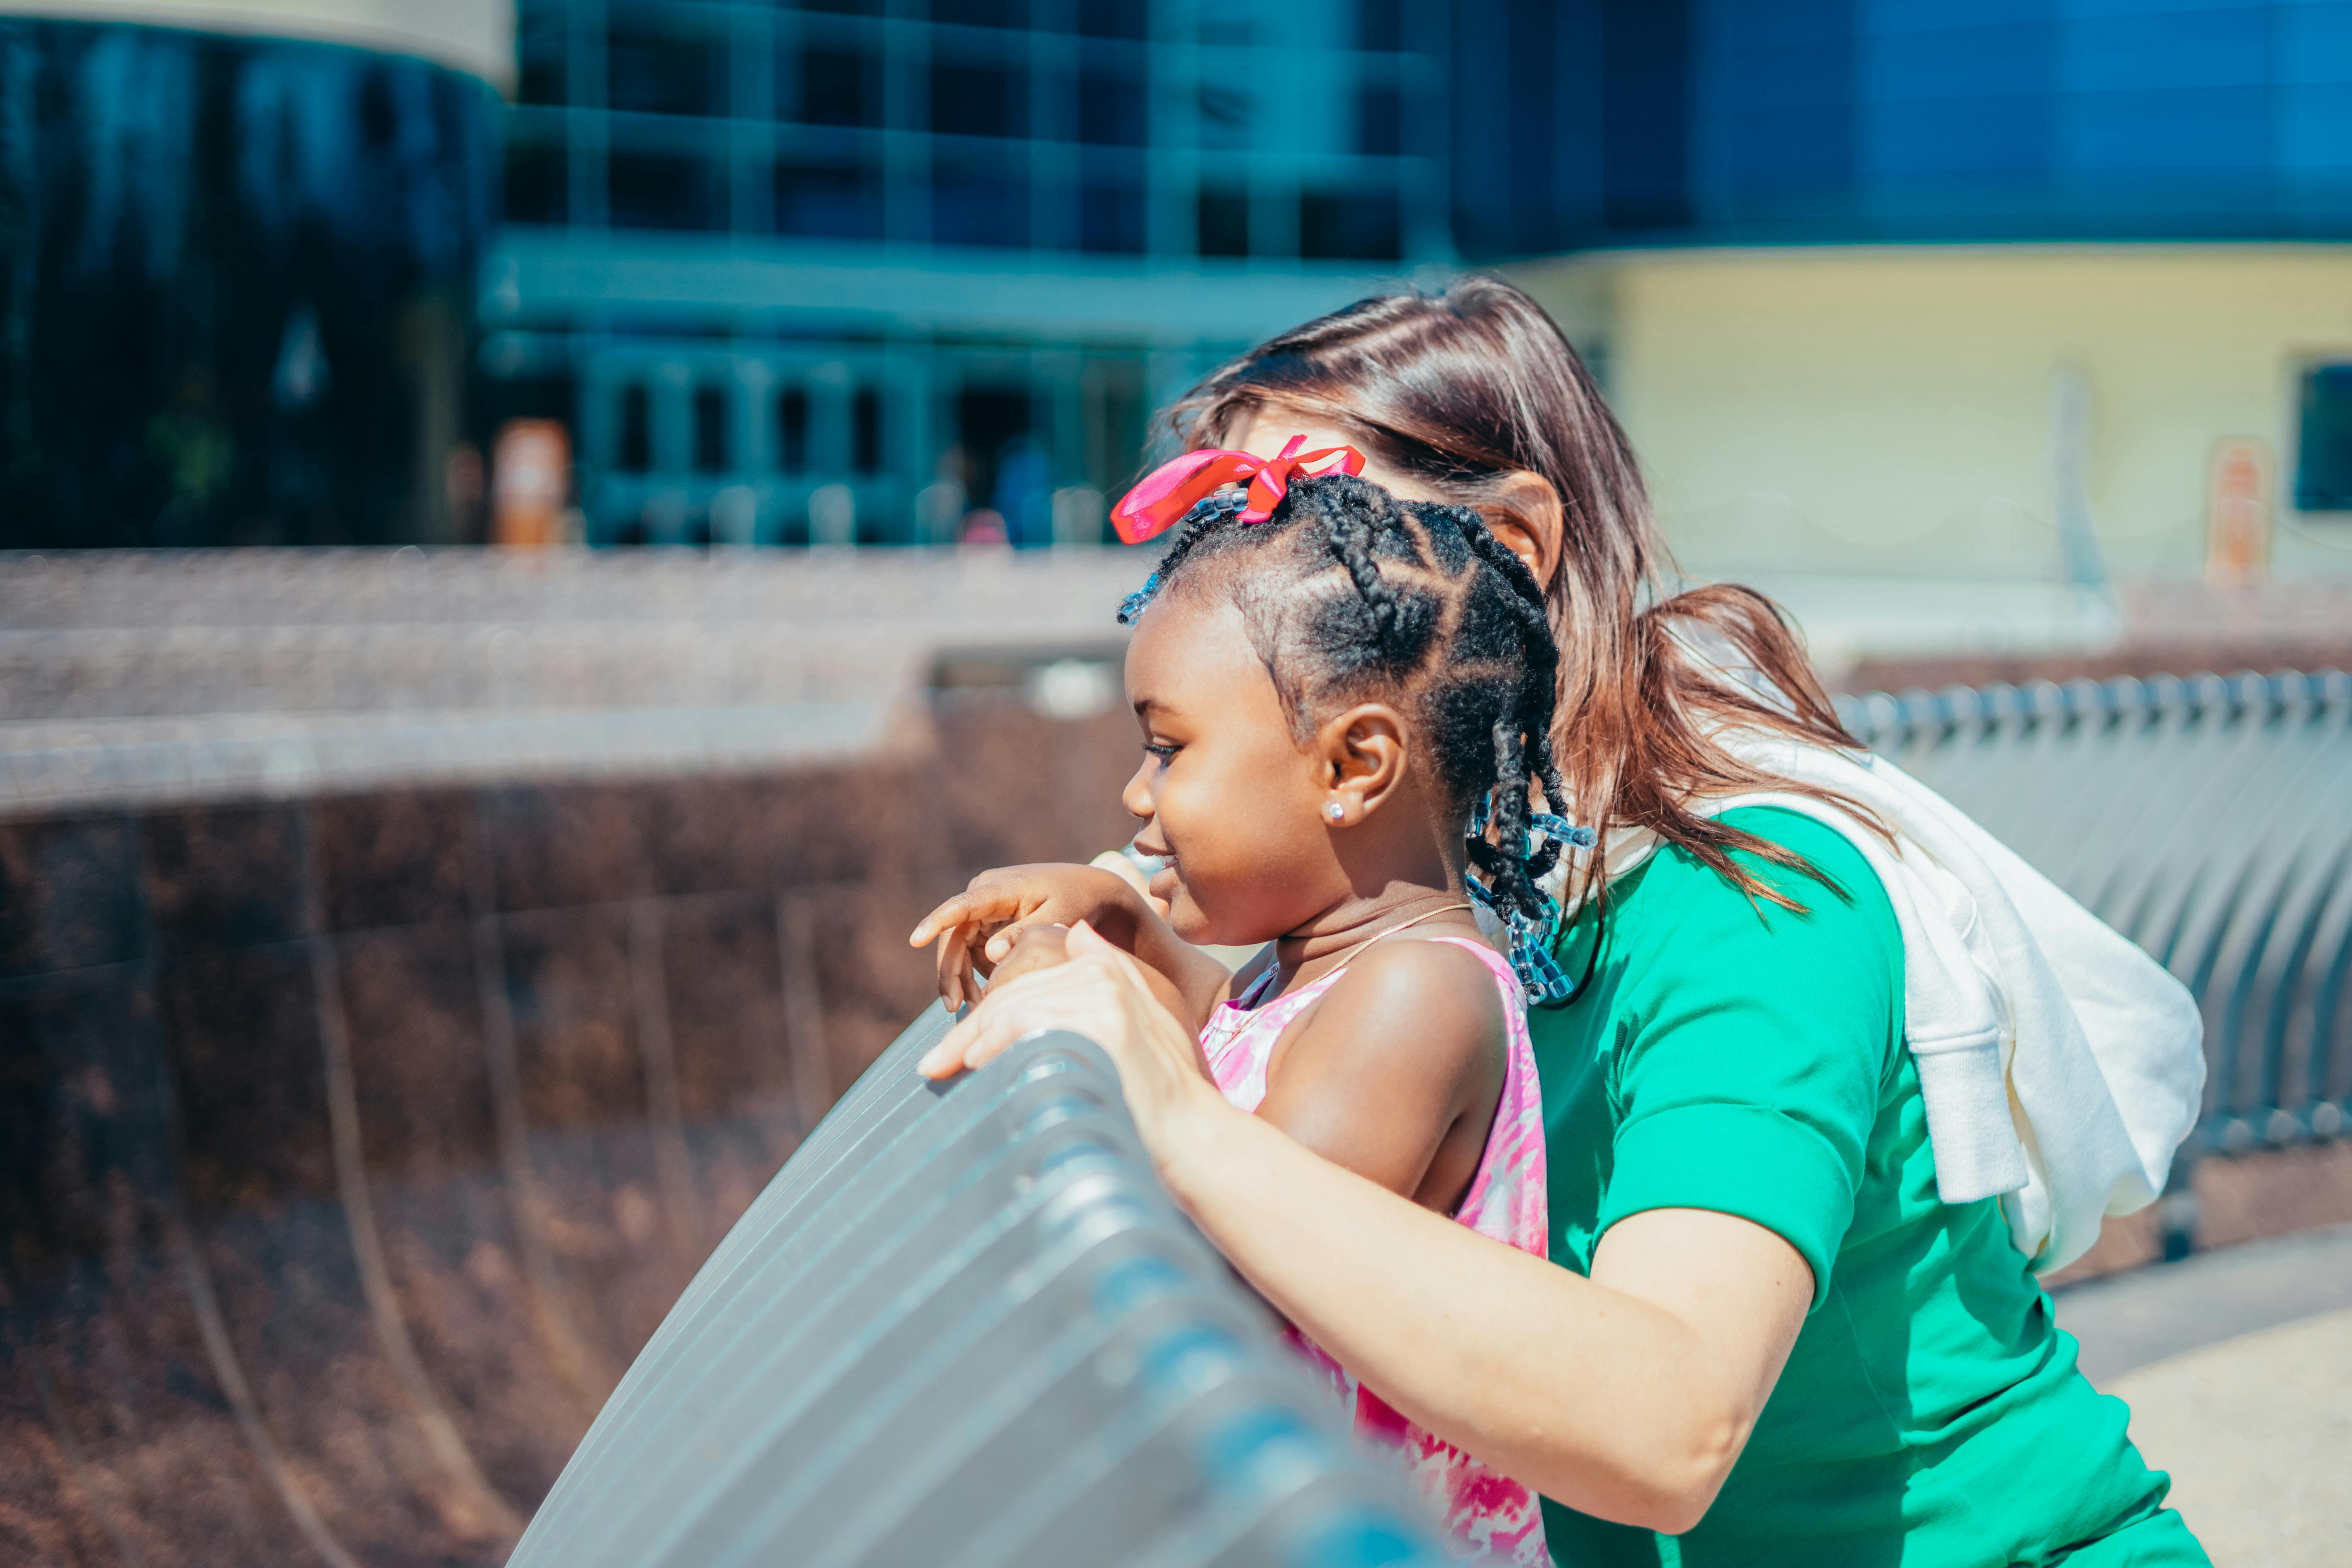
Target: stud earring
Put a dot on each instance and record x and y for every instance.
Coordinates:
(1335, 811)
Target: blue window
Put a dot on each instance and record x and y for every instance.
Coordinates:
(637, 448)
(710, 429)
(980, 13)
(829, 200)
(865, 431)
(656, 73)
(1224, 222)
(1380, 120)
(539, 55)
(535, 182)
(1110, 216)
(792, 430)
(1112, 110)
(1354, 226)
(977, 201)
(1112, 18)
(978, 100)
(838, 87)
(664, 190)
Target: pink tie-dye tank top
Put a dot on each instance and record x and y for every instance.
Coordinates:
(1488, 1517)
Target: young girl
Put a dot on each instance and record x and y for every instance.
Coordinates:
(1344, 704)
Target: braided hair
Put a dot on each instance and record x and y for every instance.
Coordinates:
(1348, 595)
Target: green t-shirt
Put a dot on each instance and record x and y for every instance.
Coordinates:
(1738, 1058)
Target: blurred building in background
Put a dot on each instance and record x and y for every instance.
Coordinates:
(237, 250)
(2053, 289)
(867, 272)
(2050, 292)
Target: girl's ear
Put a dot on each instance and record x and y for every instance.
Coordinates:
(1364, 753)
(1527, 516)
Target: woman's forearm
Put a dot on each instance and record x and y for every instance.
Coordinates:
(1611, 1404)
(1627, 1395)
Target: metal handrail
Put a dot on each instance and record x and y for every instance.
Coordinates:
(2210, 819)
(965, 1325)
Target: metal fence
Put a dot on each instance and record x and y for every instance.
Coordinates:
(2210, 819)
(965, 1326)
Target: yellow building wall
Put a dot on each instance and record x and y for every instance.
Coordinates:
(1890, 411)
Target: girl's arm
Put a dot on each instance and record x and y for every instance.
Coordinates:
(1627, 1395)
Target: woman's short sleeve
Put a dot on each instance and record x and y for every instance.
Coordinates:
(1752, 1048)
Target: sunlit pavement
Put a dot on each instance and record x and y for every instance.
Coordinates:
(2238, 1368)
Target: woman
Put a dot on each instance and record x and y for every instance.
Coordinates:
(1760, 1336)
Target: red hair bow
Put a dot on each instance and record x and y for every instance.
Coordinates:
(1159, 500)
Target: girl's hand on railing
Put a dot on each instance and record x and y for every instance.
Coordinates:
(979, 928)
(1105, 996)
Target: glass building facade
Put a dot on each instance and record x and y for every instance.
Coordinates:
(867, 271)
(1825, 121)
(235, 281)
(880, 271)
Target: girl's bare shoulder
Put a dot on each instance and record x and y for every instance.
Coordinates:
(1432, 1003)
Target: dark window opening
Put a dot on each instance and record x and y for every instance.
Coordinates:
(829, 201)
(866, 432)
(1110, 219)
(1112, 18)
(1353, 227)
(1224, 223)
(792, 430)
(839, 87)
(637, 453)
(1380, 121)
(540, 44)
(981, 13)
(710, 430)
(977, 100)
(539, 53)
(1111, 109)
(991, 424)
(662, 190)
(654, 73)
(976, 205)
(2323, 448)
(535, 184)
(1380, 25)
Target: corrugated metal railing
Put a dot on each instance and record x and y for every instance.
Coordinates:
(2208, 818)
(964, 1326)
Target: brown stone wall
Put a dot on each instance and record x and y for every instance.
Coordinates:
(350, 1148)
